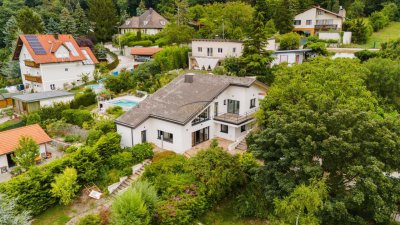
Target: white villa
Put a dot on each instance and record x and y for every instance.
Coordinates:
(192, 109)
(52, 62)
(318, 19)
(209, 53)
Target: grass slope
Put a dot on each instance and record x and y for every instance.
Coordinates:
(388, 33)
(224, 214)
(54, 216)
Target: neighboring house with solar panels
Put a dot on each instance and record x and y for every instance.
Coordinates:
(150, 22)
(193, 109)
(52, 62)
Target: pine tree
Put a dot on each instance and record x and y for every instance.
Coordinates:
(52, 26)
(10, 33)
(81, 21)
(67, 23)
(141, 8)
(256, 59)
(284, 18)
(182, 12)
(29, 21)
(104, 16)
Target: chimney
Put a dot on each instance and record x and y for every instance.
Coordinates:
(189, 78)
(342, 12)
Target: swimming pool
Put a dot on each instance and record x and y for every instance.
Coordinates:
(94, 86)
(124, 103)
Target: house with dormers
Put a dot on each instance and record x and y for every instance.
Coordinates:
(150, 22)
(52, 62)
(192, 109)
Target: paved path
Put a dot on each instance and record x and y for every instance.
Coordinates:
(124, 61)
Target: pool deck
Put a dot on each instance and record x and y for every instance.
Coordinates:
(109, 103)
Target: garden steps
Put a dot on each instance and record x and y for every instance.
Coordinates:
(242, 146)
(132, 178)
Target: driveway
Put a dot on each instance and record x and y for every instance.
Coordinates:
(124, 61)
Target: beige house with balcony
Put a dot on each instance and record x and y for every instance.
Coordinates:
(318, 19)
(52, 62)
(150, 22)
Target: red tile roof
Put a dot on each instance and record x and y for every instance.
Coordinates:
(50, 44)
(91, 55)
(145, 51)
(10, 139)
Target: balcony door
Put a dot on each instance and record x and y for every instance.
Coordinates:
(233, 106)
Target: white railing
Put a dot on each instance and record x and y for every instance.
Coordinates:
(237, 142)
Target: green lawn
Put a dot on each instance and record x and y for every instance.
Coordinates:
(224, 214)
(390, 32)
(55, 216)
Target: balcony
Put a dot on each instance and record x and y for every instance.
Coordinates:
(236, 119)
(31, 63)
(326, 27)
(36, 79)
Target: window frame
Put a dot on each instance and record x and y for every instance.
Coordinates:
(297, 22)
(169, 139)
(252, 103)
(220, 50)
(222, 130)
(199, 49)
(202, 118)
(308, 22)
(243, 128)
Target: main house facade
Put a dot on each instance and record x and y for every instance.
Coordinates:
(318, 19)
(209, 53)
(150, 22)
(192, 109)
(52, 62)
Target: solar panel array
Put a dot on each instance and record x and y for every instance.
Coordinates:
(35, 44)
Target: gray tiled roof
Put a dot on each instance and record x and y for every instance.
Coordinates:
(33, 97)
(149, 19)
(179, 102)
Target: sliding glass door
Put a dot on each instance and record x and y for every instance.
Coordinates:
(233, 106)
(200, 136)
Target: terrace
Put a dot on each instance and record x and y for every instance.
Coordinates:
(236, 119)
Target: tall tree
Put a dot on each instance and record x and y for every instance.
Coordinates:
(104, 16)
(81, 21)
(52, 27)
(67, 23)
(284, 16)
(26, 152)
(29, 21)
(319, 120)
(141, 8)
(10, 33)
(5, 16)
(256, 59)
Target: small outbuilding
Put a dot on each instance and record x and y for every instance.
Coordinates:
(27, 103)
(6, 100)
(10, 140)
(144, 54)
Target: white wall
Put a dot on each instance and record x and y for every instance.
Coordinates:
(291, 58)
(42, 148)
(3, 161)
(307, 15)
(182, 135)
(50, 102)
(60, 73)
(329, 35)
(54, 73)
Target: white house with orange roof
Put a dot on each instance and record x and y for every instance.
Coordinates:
(318, 19)
(10, 140)
(52, 62)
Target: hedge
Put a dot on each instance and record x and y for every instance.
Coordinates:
(77, 116)
(114, 63)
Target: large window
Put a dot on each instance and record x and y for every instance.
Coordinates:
(219, 50)
(224, 128)
(165, 136)
(233, 106)
(297, 22)
(252, 103)
(308, 22)
(205, 115)
(209, 52)
(200, 136)
(199, 49)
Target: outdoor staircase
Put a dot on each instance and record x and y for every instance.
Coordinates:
(132, 178)
(242, 146)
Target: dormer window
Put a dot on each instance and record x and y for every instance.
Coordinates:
(145, 22)
(162, 22)
(127, 22)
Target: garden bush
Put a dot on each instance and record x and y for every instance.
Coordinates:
(33, 118)
(76, 116)
(90, 219)
(93, 136)
(52, 112)
(141, 152)
(365, 55)
(87, 98)
(115, 110)
(289, 41)
(144, 43)
(72, 138)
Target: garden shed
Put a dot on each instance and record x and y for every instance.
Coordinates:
(27, 103)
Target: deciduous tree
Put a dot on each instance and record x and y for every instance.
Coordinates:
(26, 152)
(65, 186)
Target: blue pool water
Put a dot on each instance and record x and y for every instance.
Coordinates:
(124, 103)
(94, 86)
